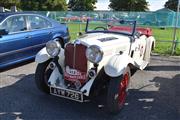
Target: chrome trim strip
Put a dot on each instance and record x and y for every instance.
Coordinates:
(16, 51)
(31, 30)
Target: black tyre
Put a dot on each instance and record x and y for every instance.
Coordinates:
(117, 91)
(42, 75)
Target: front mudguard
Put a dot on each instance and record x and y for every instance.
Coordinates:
(150, 45)
(117, 65)
(57, 73)
(43, 56)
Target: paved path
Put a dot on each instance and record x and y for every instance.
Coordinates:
(154, 95)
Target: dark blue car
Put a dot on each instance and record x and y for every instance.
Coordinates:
(22, 35)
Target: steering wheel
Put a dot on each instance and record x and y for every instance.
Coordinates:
(100, 27)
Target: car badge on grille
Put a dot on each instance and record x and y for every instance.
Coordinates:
(73, 74)
(71, 71)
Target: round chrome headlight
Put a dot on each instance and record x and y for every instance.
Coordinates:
(53, 48)
(94, 54)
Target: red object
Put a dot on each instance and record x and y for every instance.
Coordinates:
(144, 31)
(77, 63)
(122, 89)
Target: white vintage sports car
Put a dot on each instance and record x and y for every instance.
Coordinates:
(101, 59)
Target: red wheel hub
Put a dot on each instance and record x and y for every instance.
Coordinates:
(122, 89)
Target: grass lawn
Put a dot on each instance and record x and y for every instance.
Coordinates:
(159, 34)
(166, 35)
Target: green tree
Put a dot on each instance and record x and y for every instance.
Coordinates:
(171, 4)
(28, 5)
(9, 3)
(82, 5)
(43, 5)
(129, 5)
(55, 5)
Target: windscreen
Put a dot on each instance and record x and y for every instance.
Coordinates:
(119, 26)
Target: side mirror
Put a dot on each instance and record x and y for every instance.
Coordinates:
(3, 32)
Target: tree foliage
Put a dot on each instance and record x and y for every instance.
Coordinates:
(9, 3)
(55, 5)
(129, 5)
(171, 4)
(43, 5)
(82, 5)
(36, 5)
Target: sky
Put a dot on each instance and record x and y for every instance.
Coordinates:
(153, 4)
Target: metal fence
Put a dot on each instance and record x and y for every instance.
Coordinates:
(163, 23)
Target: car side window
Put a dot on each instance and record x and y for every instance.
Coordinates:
(37, 22)
(14, 24)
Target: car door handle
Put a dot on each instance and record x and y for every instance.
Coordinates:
(28, 36)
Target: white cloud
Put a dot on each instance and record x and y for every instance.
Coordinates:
(102, 5)
(156, 4)
(153, 4)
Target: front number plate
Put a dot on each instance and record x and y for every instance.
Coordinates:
(66, 93)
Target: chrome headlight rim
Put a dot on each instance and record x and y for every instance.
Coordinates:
(53, 48)
(99, 55)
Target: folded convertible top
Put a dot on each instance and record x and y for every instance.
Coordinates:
(144, 31)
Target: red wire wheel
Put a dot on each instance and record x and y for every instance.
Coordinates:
(117, 91)
(123, 89)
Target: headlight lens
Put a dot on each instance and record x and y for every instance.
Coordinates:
(53, 48)
(94, 54)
